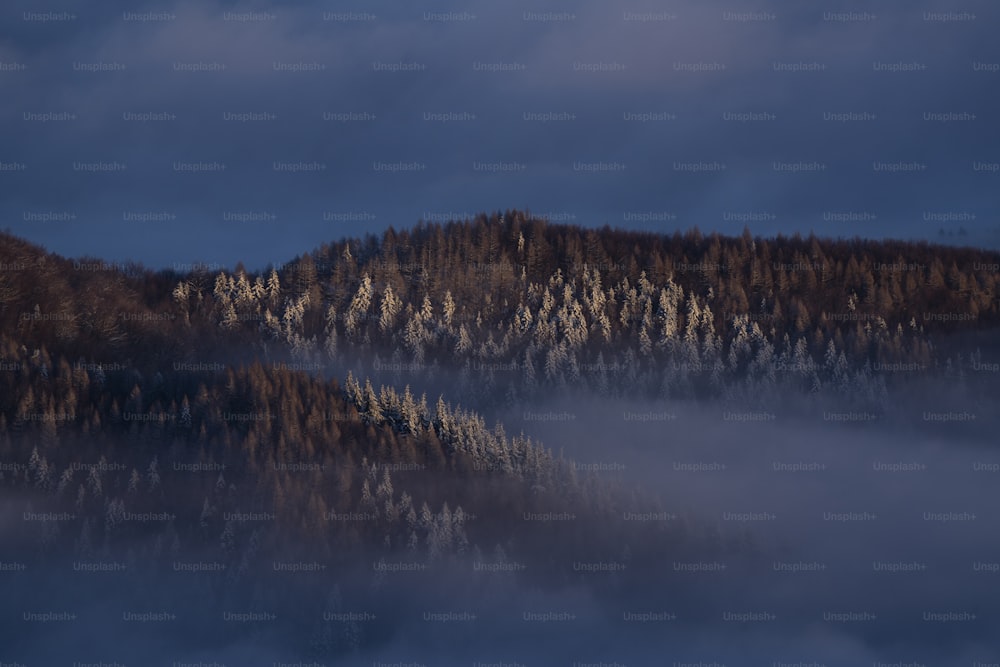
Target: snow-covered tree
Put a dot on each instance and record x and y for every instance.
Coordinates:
(448, 308)
(359, 305)
(464, 342)
(181, 294)
(273, 289)
(390, 307)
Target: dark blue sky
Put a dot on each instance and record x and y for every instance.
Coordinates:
(316, 121)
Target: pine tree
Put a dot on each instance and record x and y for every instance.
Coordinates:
(426, 517)
(330, 332)
(410, 414)
(645, 343)
(373, 409)
(273, 289)
(359, 305)
(458, 529)
(801, 362)
(406, 511)
(830, 359)
(384, 490)
(153, 474)
(42, 475)
(182, 295)
(230, 319)
(464, 342)
(64, 481)
(353, 390)
(448, 308)
(553, 359)
(522, 318)
(445, 422)
(367, 499)
(221, 290)
(390, 307)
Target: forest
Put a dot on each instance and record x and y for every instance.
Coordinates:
(346, 406)
(521, 303)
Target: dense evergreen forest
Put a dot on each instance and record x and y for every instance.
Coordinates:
(522, 303)
(285, 412)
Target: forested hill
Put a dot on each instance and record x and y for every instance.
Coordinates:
(519, 303)
(793, 280)
(242, 419)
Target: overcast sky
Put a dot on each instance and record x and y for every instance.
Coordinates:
(212, 131)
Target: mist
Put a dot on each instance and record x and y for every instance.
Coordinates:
(787, 538)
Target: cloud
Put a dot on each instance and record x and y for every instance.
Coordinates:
(607, 109)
